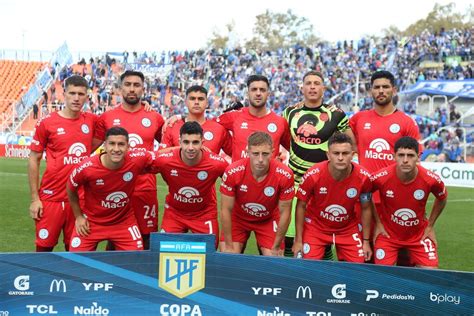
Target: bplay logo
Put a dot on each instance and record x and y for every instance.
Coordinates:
(445, 298)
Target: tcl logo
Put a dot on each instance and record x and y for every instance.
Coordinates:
(98, 286)
(41, 309)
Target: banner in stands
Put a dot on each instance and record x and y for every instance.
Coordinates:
(44, 79)
(187, 277)
(151, 69)
(62, 56)
(461, 88)
(14, 151)
(453, 174)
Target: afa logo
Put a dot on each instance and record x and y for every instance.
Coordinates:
(182, 267)
(134, 140)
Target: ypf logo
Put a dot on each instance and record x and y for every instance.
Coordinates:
(115, 200)
(335, 213)
(134, 140)
(255, 209)
(188, 195)
(405, 217)
(379, 145)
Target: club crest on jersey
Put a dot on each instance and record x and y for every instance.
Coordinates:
(269, 191)
(306, 248)
(127, 176)
(146, 122)
(272, 128)
(394, 128)
(85, 129)
(202, 175)
(351, 192)
(43, 233)
(419, 194)
(208, 135)
(380, 254)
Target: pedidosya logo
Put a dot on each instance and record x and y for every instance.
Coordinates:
(335, 213)
(115, 200)
(75, 154)
(182, 269)
(188, 195)
(405, 217)
(255, 209)
(134, 140)
(376, 150)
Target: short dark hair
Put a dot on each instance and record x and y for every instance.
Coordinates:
(254, 78)
(77, 81)
(313, 73)
(196, 88)
(259, 138)
(116, 131)
(130, 73)
(407, 142)
(339, 138)
(191, 128)
(382, 74)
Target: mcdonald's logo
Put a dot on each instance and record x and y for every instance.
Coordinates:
(304, 291)
(57, 286)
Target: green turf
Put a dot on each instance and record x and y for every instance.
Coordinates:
(454, 229)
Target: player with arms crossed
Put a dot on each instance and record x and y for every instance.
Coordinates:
(216, 137)
(144, 127)
(404, 188)
(108, 180)
(256, 194)
(66, 136)
(191, 174)
(311, 123)
(325, 209)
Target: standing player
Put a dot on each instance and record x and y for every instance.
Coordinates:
(216, 137)
(108, 180)
(404, 188)
(143, 128)
(66, 136)
(311, 124)
(377, 130)
(256, 195)
(191, 174)
(325, 209)
(256, 117)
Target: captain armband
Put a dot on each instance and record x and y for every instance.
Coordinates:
(366, 197)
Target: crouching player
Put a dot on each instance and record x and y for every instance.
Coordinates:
(108, 180)
(256, 194)
(325, 208)
(404, 189)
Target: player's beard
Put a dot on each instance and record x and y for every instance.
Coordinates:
(131, 101)
(383, 102)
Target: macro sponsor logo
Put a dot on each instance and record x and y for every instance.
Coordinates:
(22, 285)
(94, 309)
(304, 292)
(255, 209)
(266, 291)
(57, 286)
(75, 154)
(338, 291)
(188, 195)
(276, 312)
(335, 213)
(134, 140)
(41, 309)
(115, 200)
(180, 310)
(445, 298)
(283, 172)
(16, 151)
(376, 148)
(405, 217)
(98, 286)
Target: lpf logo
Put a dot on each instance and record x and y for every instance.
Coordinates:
(182, 269)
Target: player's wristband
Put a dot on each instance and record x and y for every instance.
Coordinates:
(366, 239)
